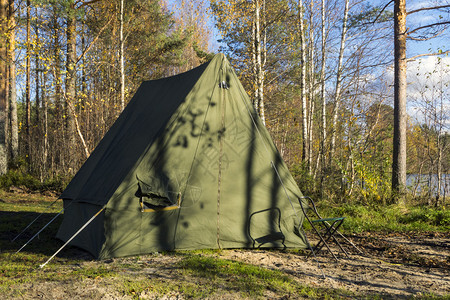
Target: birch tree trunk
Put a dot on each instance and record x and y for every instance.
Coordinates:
(256, 91)
(399, 151)
(322, 96)
(311, 88)
(28, 88)
(259, 69)
(337, 93)
(303, 84)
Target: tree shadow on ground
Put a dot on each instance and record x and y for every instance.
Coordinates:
(45, 243)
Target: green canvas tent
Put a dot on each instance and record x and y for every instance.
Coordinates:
(187, 165)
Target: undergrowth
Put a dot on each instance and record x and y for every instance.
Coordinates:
(391, 218)
(21, 178)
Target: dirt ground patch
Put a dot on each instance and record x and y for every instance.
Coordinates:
(393, 266)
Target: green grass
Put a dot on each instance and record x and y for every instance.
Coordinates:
(193, 274)
(392, 218)
(201, 276)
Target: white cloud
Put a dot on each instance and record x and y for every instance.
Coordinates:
(428, 89)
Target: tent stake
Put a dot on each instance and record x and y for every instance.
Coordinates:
(40, 231)
(34, 220)
(73, 236)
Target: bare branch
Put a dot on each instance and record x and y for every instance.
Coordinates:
(378, 16)
(426, 38)
(428, 26)
(88, 3)
(427, 54)
(382, 11)
(427, 8)
(77, 126)
(93, 42)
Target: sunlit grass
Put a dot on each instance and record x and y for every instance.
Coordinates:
(195, 274)
(392, 218)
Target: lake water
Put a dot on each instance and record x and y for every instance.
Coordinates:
(428, 183)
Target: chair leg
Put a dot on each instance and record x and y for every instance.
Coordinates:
(334, 231)
(321, 243)
(350, 242)
(332, 234)
(346, 239)
(330, 231)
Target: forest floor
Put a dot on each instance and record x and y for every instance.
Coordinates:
(394, 265)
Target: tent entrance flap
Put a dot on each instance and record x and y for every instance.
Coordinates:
(154, 195)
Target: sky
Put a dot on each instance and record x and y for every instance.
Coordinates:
(422, 78)
(428, 77)
(424, 18)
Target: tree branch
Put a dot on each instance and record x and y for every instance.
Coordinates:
(427, 8)
(428, 26)
(426, 38)
(427, 54)
(88, 3)
(77, 126)
(378, 16)
(93, 42)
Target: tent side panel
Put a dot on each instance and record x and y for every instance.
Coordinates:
(136, 128)
(76, 214)
(122, 233)
(173, 165)
(257, 208)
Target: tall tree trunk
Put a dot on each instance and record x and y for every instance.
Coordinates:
(70, 83)
(57, 155)
(14, 139)
(399, 151)
(37, 71)
(259, 84)
(122, 71)
(45, 123)
(303, 84)
(254, 71)
(311, 88)
(337, 93)
(3, 85)
(322, 96)
(13, 123)
(438, 169)
(28, 88)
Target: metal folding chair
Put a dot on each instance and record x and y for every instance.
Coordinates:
(330, 227)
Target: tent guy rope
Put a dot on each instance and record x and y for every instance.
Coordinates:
(32, 222)
(60, 212)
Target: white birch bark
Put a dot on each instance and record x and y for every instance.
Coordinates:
(303, 83)
(322, 92)
(337, 93)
